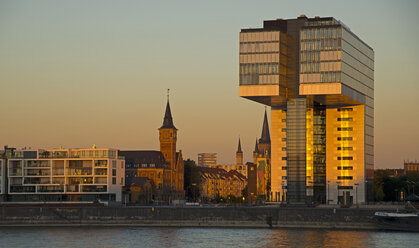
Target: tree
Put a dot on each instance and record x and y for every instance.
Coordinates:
(192, 180)
(389, 188)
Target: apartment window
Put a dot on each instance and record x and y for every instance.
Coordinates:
(113, 180)
(345, 158)
(122, 180)
(345, 109)
(284, 158)
(114, 172)
(345, 168)
(113, 163)
(284, 148)
(144, 165)
(345, 187)
(344, 128)
(345, 119)
(284, 139)
(152, 165)
(345, 177)
(344, 138)
(345, 148)
(284, 130)
(284, 177)
(284, 168)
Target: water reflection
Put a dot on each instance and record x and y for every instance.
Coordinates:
(198, 237)
(318, 238)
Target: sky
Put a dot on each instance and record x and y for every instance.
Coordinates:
(78, 73)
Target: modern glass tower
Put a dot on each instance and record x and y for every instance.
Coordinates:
(318, 78)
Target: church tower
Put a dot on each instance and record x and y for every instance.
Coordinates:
(239, 155)
(168, 137)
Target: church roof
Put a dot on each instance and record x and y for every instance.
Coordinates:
(265, 137)
(144, 157)
(168, 120)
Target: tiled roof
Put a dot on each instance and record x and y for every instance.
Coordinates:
(144, 157)
(207, 172)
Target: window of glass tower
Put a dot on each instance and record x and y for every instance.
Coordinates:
(320, 56)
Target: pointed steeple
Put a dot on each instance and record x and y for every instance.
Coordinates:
(168, 120)
(265, 137)
(239, 148)
(239, 154)
(256, 147)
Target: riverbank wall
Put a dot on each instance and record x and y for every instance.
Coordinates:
(252, 217)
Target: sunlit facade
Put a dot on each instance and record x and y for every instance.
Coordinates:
(217, 182)
(318, 78)
(75, 175)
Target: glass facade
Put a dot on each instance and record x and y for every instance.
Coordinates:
(296, 151)
(263, 58)
(328, 140)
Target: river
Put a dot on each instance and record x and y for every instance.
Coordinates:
(54, 237)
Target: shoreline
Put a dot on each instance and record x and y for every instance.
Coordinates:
(205, 217)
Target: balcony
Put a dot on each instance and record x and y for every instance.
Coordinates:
(86, 188)
(58, 172)
(22, 189)
(37, 172)
(101, 172)
(50, 189)
(80, 172)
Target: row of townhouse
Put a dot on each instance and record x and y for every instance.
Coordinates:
(216, 182)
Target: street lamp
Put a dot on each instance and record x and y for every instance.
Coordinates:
(328, 192)
(194, 191)
(338, 183)
(356, 190)
(282, 197)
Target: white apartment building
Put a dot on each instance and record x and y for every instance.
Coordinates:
(74, 175)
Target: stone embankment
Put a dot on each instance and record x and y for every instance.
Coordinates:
(260, 217)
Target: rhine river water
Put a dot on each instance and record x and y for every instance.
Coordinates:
(56, 237)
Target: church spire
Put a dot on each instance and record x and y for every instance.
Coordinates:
(168, 120)
(239, 154)
(256, 147)
(239, 148)
(265, 137)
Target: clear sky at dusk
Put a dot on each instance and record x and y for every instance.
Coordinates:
(78, 73)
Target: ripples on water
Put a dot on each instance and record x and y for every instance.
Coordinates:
(51, 237)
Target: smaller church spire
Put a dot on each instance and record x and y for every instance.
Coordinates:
(239, 148)
(256, 147)
(265, 137)
(168, 120)
(239, 154)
